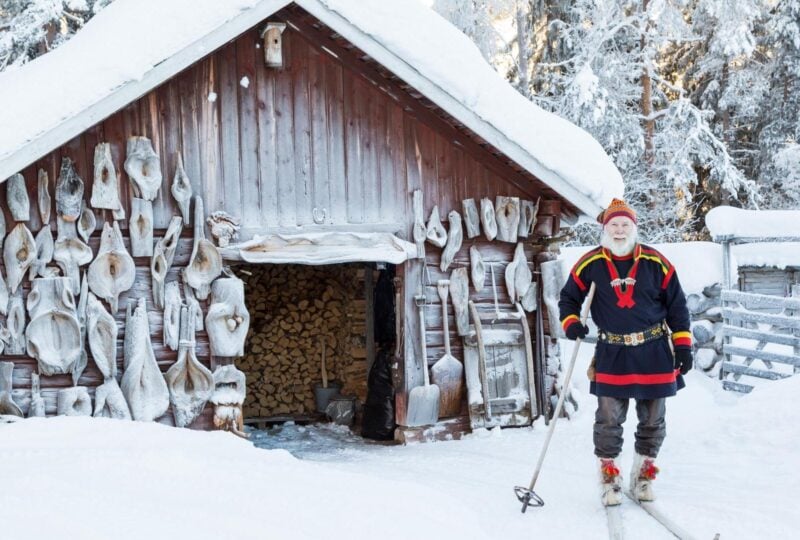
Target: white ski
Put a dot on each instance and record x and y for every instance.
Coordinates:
(660, 516)
(616, 530)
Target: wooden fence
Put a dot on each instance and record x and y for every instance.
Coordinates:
(744, 317)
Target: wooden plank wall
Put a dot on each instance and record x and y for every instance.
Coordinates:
(279, 148)
(268, 146)
(768, 280)
(447, 175)
(91, 378)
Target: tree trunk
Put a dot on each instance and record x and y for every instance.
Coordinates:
(647, 103)
(524, 49)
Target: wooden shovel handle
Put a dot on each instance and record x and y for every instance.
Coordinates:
(481, 360)
(426, 377)
(443, 286)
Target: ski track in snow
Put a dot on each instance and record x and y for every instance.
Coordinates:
(727, 467)
(710, 456)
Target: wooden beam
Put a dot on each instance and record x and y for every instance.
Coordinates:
(739, 369)
(757, 301)
(781, 321)
(369, 293)
(737, 387)
(761, 355)
(782, 339)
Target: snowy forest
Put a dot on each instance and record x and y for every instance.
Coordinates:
(696, 101)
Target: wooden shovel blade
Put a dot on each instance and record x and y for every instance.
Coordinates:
(448, 374)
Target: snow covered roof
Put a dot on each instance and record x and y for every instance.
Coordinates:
(772, 254)
(726, 221)
(110, 63)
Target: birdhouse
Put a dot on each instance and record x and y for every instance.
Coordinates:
(273, 55)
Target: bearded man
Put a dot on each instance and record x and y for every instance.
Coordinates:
(638, 301)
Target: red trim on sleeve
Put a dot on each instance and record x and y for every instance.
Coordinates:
(682, 338)
(682, 342)
(578, 282)
(568, 321)
(668, 277)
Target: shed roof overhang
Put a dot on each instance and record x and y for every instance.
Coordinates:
(363, 53)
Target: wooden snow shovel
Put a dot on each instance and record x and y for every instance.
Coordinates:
(526, 495)
(423, 401)
(447, 373)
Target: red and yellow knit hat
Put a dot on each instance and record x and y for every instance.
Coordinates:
(617, 208)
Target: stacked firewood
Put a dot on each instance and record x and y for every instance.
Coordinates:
(706, 313)
(293, 309)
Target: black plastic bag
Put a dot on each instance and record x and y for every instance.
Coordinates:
(384, 308)
(378, 420)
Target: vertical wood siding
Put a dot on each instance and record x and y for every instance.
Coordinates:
(313, 135)
(311, 146)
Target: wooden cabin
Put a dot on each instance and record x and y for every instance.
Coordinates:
(314, 135)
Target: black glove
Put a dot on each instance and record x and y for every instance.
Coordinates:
(683, 359)
(576, 330)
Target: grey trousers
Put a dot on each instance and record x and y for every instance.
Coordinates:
(611, 414)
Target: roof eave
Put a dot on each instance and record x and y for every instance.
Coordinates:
(450, 105)
(132, 90)
(45, 142)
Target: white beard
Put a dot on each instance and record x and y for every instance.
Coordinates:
(619, 248)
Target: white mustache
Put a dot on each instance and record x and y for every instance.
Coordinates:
(619, 247)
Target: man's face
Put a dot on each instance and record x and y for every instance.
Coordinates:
(619, 236)
(619, 228)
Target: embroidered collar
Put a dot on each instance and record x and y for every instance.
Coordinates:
(623, 288)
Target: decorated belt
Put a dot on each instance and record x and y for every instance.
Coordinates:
(634, 338)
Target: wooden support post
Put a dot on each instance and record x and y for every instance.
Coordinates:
(726, 264)
(726, 285)
(796, 332)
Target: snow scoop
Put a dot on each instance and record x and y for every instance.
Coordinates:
(423, 401)
(447, 373)
(526, 495)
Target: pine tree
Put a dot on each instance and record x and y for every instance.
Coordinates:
(644, 77)
(778, 163)
(30, 28)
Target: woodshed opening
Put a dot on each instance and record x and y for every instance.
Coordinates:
(300, 313)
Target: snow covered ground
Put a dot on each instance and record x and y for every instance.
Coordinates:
(729, 466)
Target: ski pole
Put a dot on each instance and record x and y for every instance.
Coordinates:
(526, 495)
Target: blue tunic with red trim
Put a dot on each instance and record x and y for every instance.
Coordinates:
(632, 294)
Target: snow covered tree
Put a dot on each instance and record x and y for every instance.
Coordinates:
(661, 85)
(29, 28)
(613, 85)
(477, 19)
(778, 164)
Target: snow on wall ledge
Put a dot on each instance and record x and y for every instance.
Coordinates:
(729, 221)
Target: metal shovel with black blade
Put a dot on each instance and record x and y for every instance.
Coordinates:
(526, 495)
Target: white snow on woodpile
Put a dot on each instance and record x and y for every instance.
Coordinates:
(109, 64)
(727, 221)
